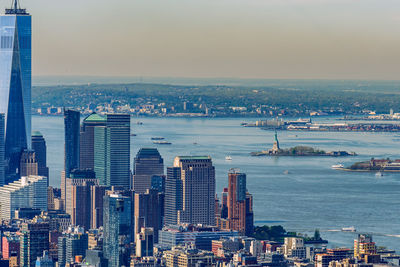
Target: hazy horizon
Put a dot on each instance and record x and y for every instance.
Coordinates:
(244, 39)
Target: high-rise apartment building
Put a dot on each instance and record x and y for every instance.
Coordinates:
(112, 151)
(148, 163)
(196, 201)
(15, 84)
(117, 229)
(34, 239)
(27, 192)
(2, 150)
(40, 148)
(237, 201)
(87, 139)
(236, 209)
(74, 242)
(148, 212)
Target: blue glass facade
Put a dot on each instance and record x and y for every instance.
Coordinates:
(71, 131)
(117, 220)
(15, 84)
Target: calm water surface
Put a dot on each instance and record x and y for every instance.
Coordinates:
(310, 196)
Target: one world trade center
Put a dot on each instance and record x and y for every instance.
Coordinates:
(15, 85)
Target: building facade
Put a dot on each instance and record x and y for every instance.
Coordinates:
(87, 140)
(27, 192)
(34, 239)
(71, 131)
(112, 151)
(40, 148)
(15, 84)
(148, 212)
(117, 229)
(2, 150)
(148, 162)
(198, 190)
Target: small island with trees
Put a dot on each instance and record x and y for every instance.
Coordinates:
(375, 165)
(299, 151)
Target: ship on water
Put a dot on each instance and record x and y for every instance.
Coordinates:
(161, 142)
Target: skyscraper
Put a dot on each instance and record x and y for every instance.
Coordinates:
(71, 148)
(39, 146)
(197, 187)
(2, 148)
(237, 201)
(173, 195)
(148, 162)
(78, 196)
(34, 239)
(97, 192)
(112, 151)
(71, 131)
(148, 212)
(87, 139)
(236, 211)
(15, 84)
(28, 164)
(117, 229)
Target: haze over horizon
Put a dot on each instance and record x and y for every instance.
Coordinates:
(267, 39)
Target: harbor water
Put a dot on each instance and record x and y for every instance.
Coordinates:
(299, 193)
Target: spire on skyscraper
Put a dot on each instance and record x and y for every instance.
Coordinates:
(16, 9)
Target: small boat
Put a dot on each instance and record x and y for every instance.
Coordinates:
(132, 134)
(228, 158)
(139, 123)
(337, 166)
(378, 174)
(286, 172)
(195, 143)
(157, 138)
(161, 142)
(348, 229)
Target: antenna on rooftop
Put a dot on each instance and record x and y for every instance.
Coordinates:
(15, 5)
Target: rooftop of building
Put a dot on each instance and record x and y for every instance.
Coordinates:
(37, 134)
(194, 157)
(148, 152)
(21, 183)
(94, 117)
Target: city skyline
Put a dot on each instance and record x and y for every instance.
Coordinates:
(228, 38)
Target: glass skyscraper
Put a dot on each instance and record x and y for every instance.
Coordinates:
(71, 131)
(15, 84)
(117, 229)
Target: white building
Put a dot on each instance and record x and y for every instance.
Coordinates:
(27, 192)
(294, 248)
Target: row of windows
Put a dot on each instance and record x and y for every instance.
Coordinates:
(7, 42)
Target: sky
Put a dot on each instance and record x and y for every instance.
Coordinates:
(271, 39)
